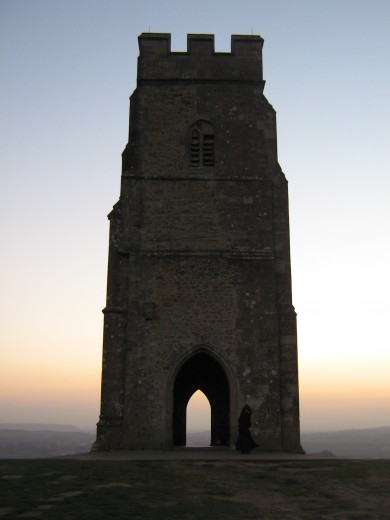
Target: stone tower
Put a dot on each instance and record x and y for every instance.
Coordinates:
(199, 283)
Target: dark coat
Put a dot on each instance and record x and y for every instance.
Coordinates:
(245, 443)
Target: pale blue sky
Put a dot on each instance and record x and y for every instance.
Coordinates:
(68, 68)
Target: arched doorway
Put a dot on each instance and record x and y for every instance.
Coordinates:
(202, 372)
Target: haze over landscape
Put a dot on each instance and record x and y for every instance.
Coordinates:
(69, 68)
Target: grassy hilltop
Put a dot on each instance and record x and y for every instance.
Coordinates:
(190, 490)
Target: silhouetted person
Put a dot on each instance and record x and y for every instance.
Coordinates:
(245, 443)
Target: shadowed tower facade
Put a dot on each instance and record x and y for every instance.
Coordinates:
(199, 284)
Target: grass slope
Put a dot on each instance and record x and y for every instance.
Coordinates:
(188, 490)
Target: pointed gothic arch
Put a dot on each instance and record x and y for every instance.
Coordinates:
(202, 372)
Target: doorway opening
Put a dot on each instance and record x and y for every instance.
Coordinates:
(198, 420)
(202, 372)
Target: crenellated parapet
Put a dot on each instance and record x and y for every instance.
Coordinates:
(200, 61)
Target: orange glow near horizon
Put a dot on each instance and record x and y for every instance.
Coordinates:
(198, 413)
(45, 390)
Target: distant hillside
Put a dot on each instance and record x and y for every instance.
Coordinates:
(25, 444)
(34, 427)
(54, 441)
(198, 439)
(370, 443)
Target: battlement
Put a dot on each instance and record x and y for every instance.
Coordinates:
(200, 61)
(159, 44)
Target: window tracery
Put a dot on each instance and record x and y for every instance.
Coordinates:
(202, 145)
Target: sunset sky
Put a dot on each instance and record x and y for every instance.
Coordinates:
(67, 70)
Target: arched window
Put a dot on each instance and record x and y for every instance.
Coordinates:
(202, 144)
